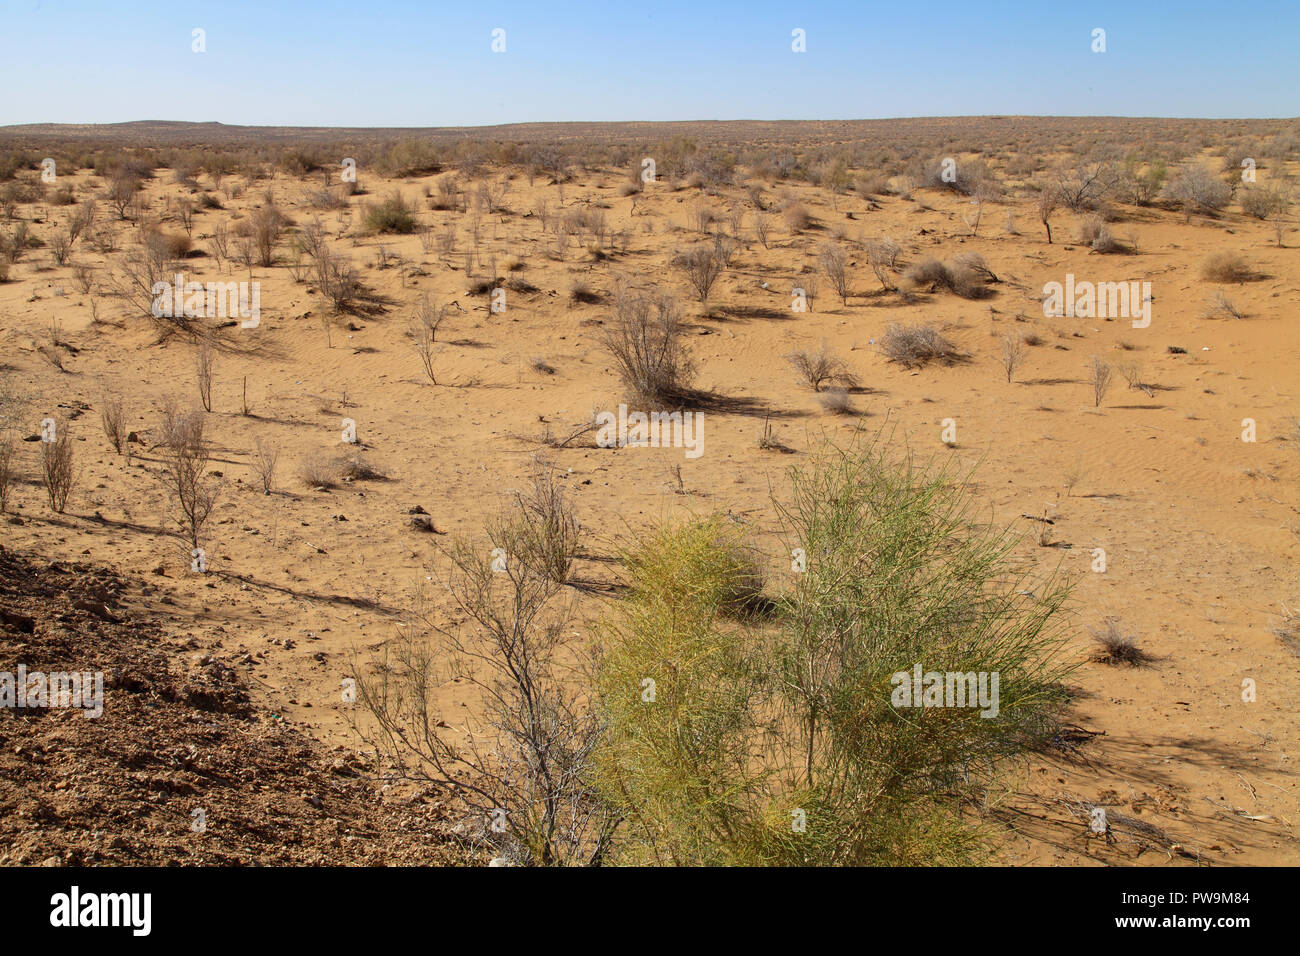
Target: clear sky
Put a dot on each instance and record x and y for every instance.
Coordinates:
(409, 63)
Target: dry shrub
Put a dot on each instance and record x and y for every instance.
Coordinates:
(835, 264)
(796, 216)
(8, 467)
(931, 273)
(354, 467)
(338, 281)
(1223, 308)
(1114, 646)
(647, 343)
(205, 360)
(702, 266)
(266, 226)
(1094, 232)
(872, 184)
(1226, 267)
(914, 345)
(318, 470)
(1197, 188)
(1099, 377)
(546, 536)
(836, 401)
(266, 455)
(967, 276)
(113, 419)
(820, 368)
(1262, 202)
(1013, 351)
(187, 451)
(581, 292)
(58, 474)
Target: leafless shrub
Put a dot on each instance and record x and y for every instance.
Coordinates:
(835, 265)
(796, 216)
(186, 453)
(931, 273)
(1221, 307)
(968, 276)
(448, 195)
(836, 401)
(113, 419)
(57, 471)
(761, 228)
(872, 184)
(1262, 202)
(702, 266)
(60, 248)
(1132, 374)
(914, 345)
(185, 213)
(85, 276)
(267, 225)
(82, 219)
(1226, 267)
(1114, 646)
(583, 293)
(1048, 202)
(205, 359)
(1013, 353)
(446, 241)
(1085, 186)
(14, 246)
(820, 368)
(1094, 232)
(1100, 374)
(423, 335)
(547, 536)
(318, 470)
(1197, 189)
(354, 467)
(8, 466)
(525, 773)
(338, 282)
(139, 270)
(648, 347)
(266, 455)
(219, 243)
(122, 190)
(976, 269)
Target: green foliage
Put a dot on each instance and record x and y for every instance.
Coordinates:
(391, 215)
(777, 742)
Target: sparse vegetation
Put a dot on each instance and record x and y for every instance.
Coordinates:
(916, 345)
(1226, 267)
(648, 347)
(821, 368)
(1115, 646)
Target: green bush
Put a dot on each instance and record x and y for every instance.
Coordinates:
(391, 215)
(778, 742)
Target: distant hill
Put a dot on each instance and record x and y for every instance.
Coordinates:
(806, 132)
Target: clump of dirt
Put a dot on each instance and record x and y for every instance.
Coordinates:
(182, 767)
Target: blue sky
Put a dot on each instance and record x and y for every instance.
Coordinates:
(398, 63)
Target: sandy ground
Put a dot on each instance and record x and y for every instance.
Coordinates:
(1200, 529)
